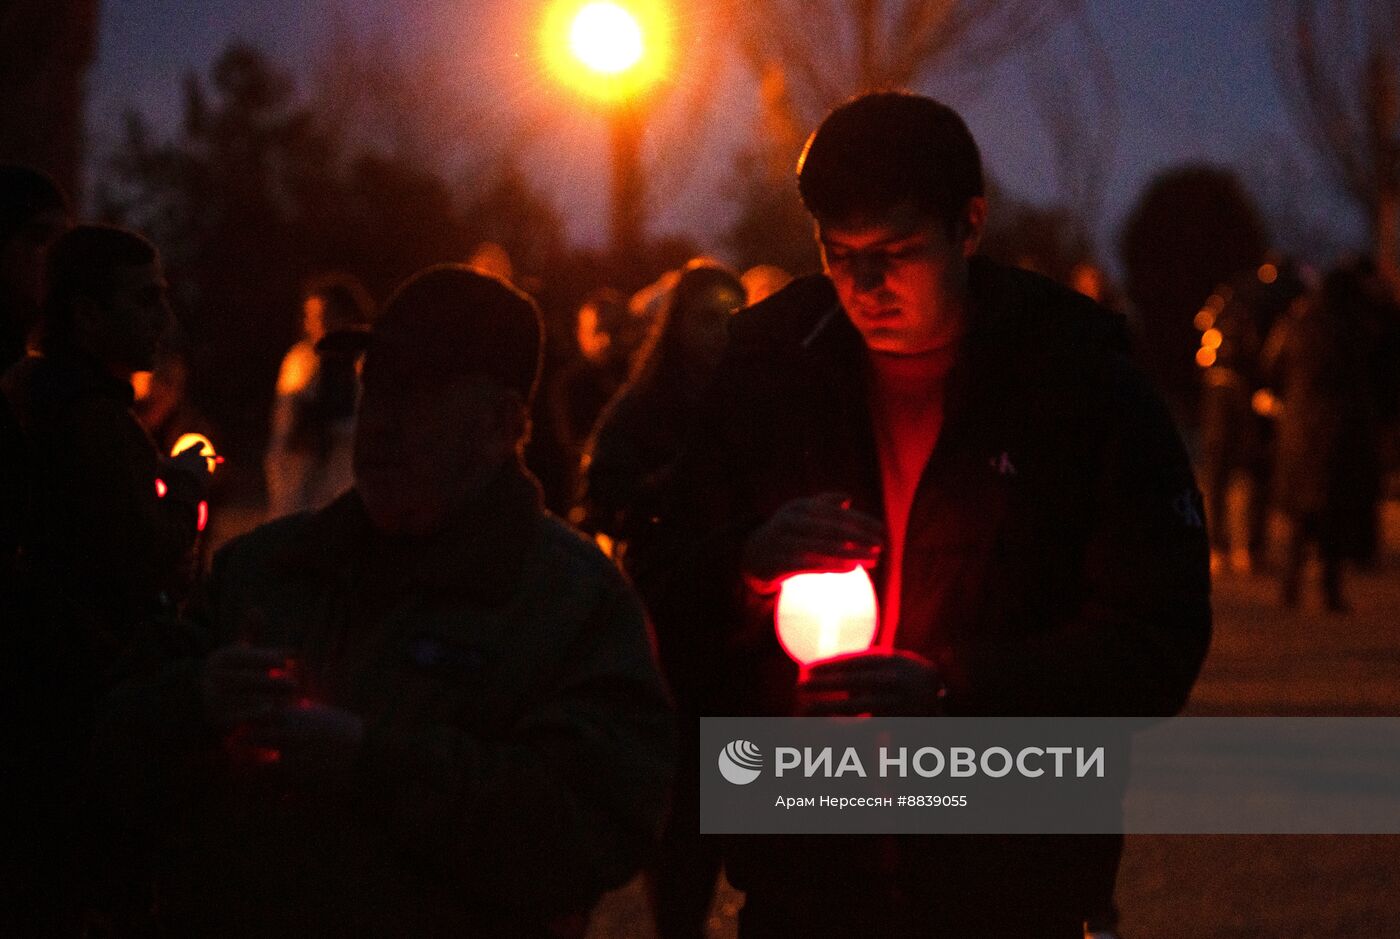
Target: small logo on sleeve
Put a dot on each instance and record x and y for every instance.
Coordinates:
(1002, 464)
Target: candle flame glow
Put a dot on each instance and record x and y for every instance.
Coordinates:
(824, 615)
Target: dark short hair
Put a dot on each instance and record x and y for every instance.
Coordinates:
(451, 320)
(81, 263)
(24, 193)
(885, 150)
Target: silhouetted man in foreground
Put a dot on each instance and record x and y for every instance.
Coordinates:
(105, 533)
(427, 709)
(976, 437)
(110, 520)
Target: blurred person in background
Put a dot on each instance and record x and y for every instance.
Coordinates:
(162, 402)
(166, 411)
(608, 337)
(1237, 440)
(313, 416)
(1327, 476)
(492, 259)
(1378, 311)
(626, 470)
(1093, 281)
(628, 457)
(762, 281)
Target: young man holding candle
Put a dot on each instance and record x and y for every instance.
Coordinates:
(977, 438)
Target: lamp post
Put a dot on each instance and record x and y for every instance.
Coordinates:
(615, 52)
(626, 126)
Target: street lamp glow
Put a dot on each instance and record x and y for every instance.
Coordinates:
(606, 38)
(608, 50)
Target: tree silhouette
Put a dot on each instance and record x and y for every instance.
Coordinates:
(1051, 241)
(230, 200)
(772, 226)
(1079, 110)
(1192, 229)
(829, 49)
(259, 189)
(1339, 64)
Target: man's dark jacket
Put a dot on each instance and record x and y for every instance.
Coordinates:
(96, 532)
(89, 548)
(517, 734)
(1055, 561)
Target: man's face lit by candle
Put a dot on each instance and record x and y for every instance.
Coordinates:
(902, 279)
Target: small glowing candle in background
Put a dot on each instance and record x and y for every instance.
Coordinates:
(206, 448)
(824, 615)
(212, 459)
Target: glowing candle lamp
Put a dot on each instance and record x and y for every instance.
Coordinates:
(824, 615)
(206, 448)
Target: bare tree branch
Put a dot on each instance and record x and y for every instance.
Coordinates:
(1078, 106)
(1338, 66)
(830, 51)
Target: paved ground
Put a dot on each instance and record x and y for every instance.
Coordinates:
(1267, 661)
(1264, 661)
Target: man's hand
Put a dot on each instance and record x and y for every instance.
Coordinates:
(188, 473)
(253, 695)
(311, 739)
(882, 684)
(242, 683)
(816, 535)
(193, 461)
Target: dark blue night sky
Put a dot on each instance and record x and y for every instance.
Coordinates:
(1194, 77)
